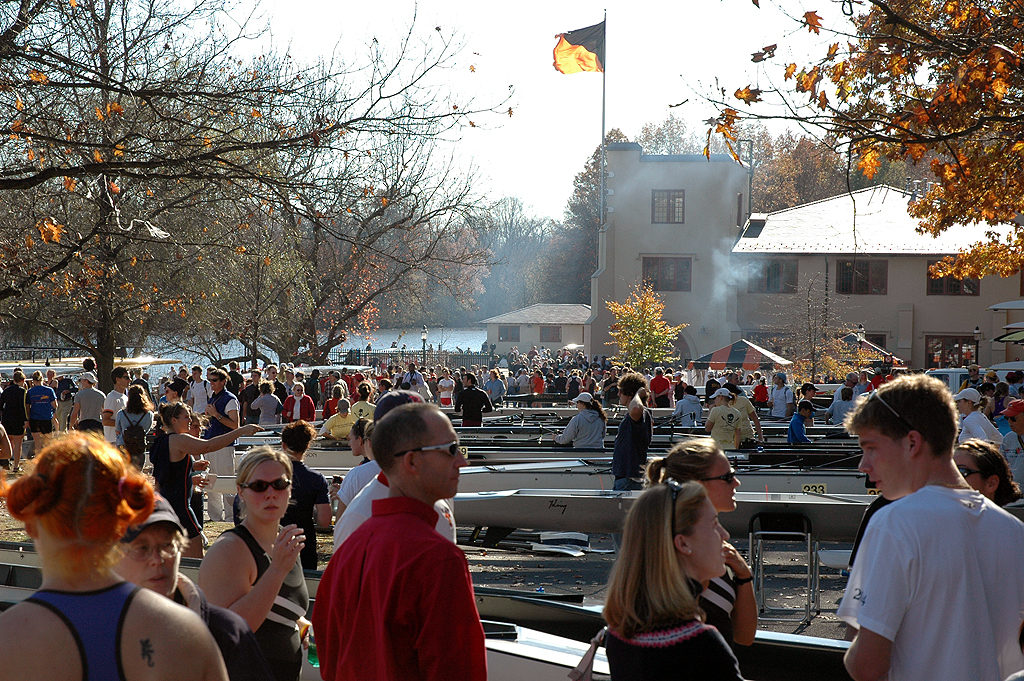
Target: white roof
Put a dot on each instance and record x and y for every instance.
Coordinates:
(544, 313)
(873, 220)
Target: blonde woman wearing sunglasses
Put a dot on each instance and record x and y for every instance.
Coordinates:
(727, 598)
(254, 569)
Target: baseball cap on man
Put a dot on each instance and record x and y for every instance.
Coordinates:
(88, 376)
(722, 392)
(392, 399)
(162, 513)
(1014, 408)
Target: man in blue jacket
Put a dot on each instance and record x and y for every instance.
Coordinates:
(798, 424)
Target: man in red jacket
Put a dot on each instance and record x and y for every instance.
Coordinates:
(396, 601)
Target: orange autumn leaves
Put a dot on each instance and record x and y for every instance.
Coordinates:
(937, 82)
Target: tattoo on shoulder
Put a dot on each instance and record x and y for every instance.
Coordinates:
(147, 651)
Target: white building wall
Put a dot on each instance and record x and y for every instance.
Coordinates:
(906, 314)
(715, 202)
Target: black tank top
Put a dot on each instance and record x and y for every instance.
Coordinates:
(174, 482)
(278, 636)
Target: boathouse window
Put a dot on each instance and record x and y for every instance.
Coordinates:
(862, 277)
(668, 206)
(950, 351)
(948, 286)
(508, 333)
(550, 334)
(668, 274)
(878, 339)
(774, 275)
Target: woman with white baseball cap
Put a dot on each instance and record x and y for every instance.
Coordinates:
(586, 430)
(974, 423)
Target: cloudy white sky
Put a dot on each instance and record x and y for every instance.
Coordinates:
(658, 53)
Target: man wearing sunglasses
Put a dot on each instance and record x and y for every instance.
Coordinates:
(396, 601)
(931, 595)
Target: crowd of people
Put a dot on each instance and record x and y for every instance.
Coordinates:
(397, 592)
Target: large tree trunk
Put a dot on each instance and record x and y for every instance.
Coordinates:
(105, 346)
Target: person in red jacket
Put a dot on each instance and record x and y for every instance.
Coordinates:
(299, 405)
(396, 601)
(537, 382)
(760, 394)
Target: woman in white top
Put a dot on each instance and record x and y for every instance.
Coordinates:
(974, 423)
(445, 388)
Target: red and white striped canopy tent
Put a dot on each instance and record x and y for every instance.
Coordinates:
(742, 353)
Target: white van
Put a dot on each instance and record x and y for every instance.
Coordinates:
(1005, 368)
(953, 377)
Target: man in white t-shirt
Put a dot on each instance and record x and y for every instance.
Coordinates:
(199, 391)
(445, 389)
(781, 403)
(933, 593)
(115, 401)
(361, 508)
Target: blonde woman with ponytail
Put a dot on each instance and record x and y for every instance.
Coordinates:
(671, 543)
(86, 622)
(728, 598)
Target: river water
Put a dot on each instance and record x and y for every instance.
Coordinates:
(444, 338)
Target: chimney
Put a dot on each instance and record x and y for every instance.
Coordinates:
(917, 187)
(906, 187)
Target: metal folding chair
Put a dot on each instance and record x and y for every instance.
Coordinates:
(781, 528)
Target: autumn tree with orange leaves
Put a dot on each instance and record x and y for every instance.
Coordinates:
(139, 142)
(935, 82)
(640, 334)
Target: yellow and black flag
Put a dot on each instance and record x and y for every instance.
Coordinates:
(580, 50)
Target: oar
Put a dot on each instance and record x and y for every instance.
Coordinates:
(832, 463)
(836, 498)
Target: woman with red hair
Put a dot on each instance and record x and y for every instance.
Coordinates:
(76, 504)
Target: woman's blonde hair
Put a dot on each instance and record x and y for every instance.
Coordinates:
(252, 459)
(691, 459)
(648, 589)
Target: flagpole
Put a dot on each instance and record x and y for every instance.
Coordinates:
(604, 72)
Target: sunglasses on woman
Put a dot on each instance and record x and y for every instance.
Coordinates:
(724, 477)
(260, 486)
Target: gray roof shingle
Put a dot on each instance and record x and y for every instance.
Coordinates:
(879, 225)
(543, 313)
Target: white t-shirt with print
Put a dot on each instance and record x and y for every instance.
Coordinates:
(937, 575)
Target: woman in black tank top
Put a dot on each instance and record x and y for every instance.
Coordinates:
(254, 569)
(174, 455)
